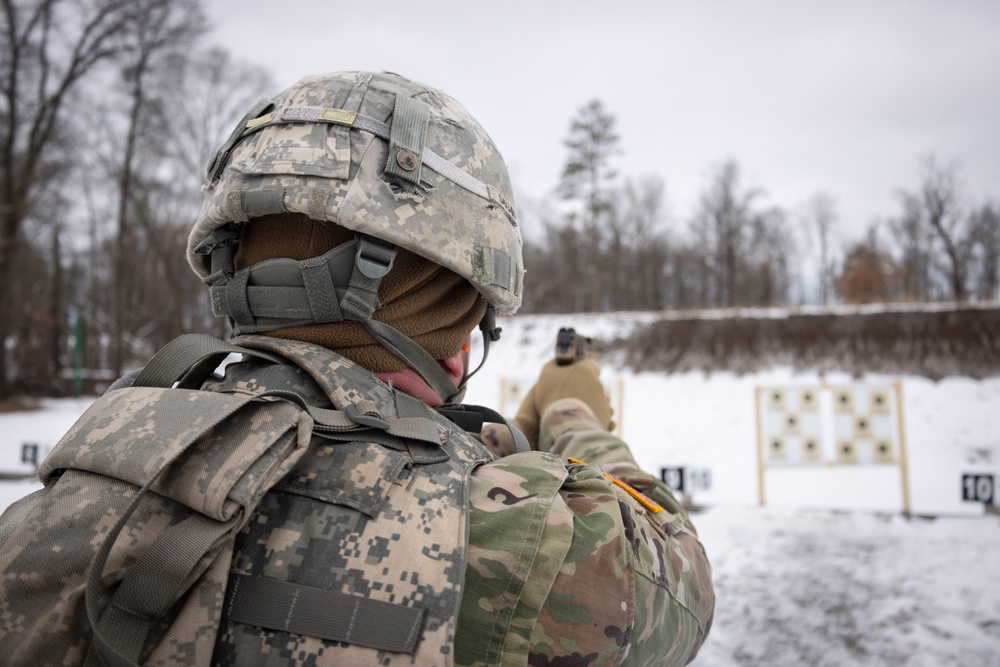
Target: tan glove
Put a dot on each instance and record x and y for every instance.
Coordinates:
(580, 380)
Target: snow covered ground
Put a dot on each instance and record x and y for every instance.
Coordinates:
(823, 588)
(709, 425)
(829, 572)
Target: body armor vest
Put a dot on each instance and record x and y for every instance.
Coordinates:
(376, 518)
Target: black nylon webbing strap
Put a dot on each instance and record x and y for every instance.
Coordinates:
(466, 420)
(472, 417)
(314, 612)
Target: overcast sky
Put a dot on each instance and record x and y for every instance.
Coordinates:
(837, 96)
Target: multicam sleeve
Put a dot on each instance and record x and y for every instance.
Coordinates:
(568, 566)
(569, 430)
(674, 598)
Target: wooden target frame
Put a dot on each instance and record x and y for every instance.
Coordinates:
(825, 425)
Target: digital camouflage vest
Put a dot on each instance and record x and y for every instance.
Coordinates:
(278, 530)
(389, 534)
(251, 524)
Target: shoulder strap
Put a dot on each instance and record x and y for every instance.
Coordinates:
(189, 360)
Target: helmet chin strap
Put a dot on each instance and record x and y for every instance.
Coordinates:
(341, 285)
(417, 358)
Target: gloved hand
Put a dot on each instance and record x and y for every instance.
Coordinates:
(580, 380)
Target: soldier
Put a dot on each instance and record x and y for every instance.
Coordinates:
(356, 229)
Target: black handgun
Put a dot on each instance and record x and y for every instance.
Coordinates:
(570, 346)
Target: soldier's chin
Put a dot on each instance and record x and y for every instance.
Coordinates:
(410, 382)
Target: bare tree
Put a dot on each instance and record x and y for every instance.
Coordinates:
(131, 179)
(984, 236)
(159, 38)
(48, 48)
(940, 198)
(915, 244)
(645, 251)
(935, 212)
(152, 154)
(821, 215)
(216, 92)
(766, 276)
(720, 226)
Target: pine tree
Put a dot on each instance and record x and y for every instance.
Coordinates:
(588, 174)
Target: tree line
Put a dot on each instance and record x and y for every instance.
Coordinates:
(610, 245)
(111, 109)
(109, 112)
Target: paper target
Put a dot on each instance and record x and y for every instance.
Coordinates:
(812, 450)
(849, 425)
(776, 399)
(843, 400)
(807, 399)
(776, 449)
(847, 452)
(879, 402)
(883, 452)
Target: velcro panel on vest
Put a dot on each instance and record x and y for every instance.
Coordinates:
(373, 470)
(315, 612)
(235, 445)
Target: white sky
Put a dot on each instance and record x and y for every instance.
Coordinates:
(839, 96)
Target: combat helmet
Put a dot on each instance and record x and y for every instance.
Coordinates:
(401, 165)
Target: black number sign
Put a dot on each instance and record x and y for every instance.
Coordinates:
(29, 453)
(977, 488)
(673, 478)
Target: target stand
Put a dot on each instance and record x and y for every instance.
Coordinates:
(811, 429)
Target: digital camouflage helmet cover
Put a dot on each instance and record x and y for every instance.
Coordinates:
(398, 163)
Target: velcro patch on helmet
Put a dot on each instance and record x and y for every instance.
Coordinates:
(492, 266)
(406, 142)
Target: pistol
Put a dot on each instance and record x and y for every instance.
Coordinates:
(570, 346)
